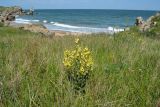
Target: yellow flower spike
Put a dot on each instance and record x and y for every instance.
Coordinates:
(86, 49)
(82, 71)
(77, 40)
(78, 63)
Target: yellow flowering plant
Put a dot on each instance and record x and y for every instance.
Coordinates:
(78, 65)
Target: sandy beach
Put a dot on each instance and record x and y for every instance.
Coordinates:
(38, 28)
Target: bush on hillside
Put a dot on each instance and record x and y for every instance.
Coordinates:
(78, 65)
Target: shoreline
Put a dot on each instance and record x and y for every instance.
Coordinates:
(9, 18)
(65, 27)
(40, 28)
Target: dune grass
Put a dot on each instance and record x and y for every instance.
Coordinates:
(126, 70)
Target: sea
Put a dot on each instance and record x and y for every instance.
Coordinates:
(85, 20)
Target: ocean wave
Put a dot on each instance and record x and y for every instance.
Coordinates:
(115, 29)
(52, 22)
(25, 21)
(45, 21)
(91, 29)
(35, 20)
(71, 28)
(66, 26)
(22, 21)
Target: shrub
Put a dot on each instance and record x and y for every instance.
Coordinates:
(78, 65)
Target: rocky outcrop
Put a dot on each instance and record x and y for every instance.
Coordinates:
(148, 24)
(37, 28)
(9, 14)
(139, 21)
(30, 12)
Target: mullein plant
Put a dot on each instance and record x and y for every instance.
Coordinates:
(78, 65)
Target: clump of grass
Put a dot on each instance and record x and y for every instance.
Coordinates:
(1, 24)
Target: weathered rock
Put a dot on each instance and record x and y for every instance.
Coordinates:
(149, 20)
(9, 13)
(37, 28)
(10, 18)
(158, 14)
(13, 11)
(6, 23)
(30, 12)
(139, 21)
(148, 24)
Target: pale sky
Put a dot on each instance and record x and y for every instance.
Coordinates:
(85, 4)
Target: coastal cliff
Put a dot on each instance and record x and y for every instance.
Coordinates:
(8, 14)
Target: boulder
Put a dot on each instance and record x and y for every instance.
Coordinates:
(139, 21)
(30, 12)
(149, 20)
(10, 18)
(158, 14)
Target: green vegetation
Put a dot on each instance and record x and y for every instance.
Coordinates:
(1, 24)
(1, 8)
(78, 65)
(126, 70)
(155, 30)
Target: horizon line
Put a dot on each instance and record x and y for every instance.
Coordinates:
(90, 9)
(83, 8)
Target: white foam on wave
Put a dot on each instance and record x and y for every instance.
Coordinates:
(115, 29)
(52, 22)
(71, 28)
(44, 21)
(35, 20)
(22, 21)
(65, 27)
(25, 21)
(90, 29)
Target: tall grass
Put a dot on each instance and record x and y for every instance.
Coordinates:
(126, 70)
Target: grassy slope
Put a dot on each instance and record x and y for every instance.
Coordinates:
(2, 8)
(126, 71)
